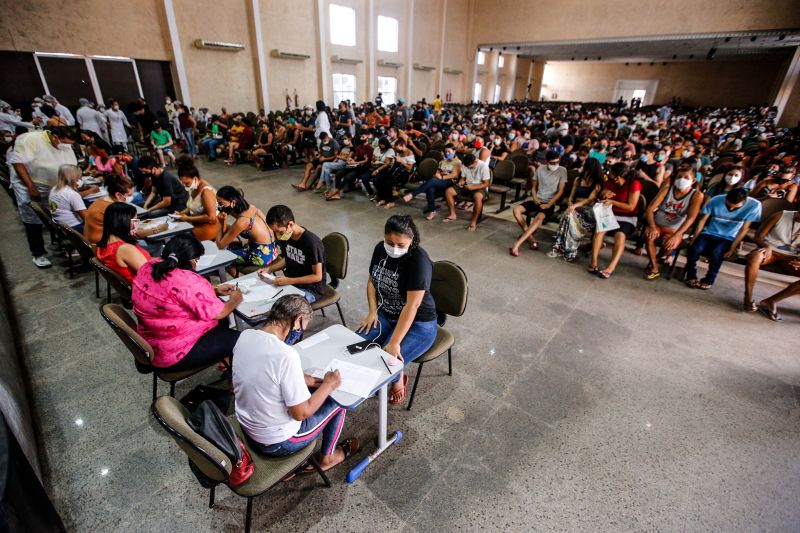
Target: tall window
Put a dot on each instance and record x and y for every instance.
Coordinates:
(476, 92)
(496, 93)
(500, 61)
(343, 25)
(387, 34)
(344, 88)
(388, 88)
(481, 58)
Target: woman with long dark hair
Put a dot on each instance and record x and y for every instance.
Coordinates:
(201, 207)
(117, 248)
(577, 223)
(179, 311)
(260, 248)
(402, 313)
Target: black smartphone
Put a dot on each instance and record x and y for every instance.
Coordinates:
(358, 347)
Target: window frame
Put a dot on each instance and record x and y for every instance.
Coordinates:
(481, 58)
(388, 101)
(477, 91)
(501, 61)
(383, 32)
(342, 93)
(336, 30)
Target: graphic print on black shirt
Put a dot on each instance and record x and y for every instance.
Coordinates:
(301, 256)
(393, 278)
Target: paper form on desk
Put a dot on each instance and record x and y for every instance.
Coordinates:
(205, 260)
(356, 379)
(311, 341)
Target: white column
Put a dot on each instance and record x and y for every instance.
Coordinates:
(471, 88)
(409, 49)
(177, 53)
(371, 44)
(440, 71)
(787, 85)
(323, 49)
(262, 61)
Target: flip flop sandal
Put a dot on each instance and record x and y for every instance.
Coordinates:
(769, 313)
(650, 276)
(333, 198)
(692, 283)
(349, 447)
(533, 245)
(401, 392)
(750, 307)
(702, 286)
(604, 274)
(448, 219)
(593, 270)
(513, 253)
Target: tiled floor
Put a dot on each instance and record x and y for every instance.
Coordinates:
(575, 404)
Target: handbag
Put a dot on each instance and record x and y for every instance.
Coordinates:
(208, 421)
(604, 217)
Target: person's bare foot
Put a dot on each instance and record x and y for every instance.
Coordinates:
(431, 215)
(389, 205)
(450, 218)
(472, 227)
(407, 198)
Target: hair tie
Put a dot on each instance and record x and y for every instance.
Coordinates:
(173, 257)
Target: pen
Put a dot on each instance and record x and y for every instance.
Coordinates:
(384, 364)
(277, 293)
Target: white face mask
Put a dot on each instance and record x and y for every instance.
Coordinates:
(129, 199)
(732, 179)
(683, 183)
(497, 141)
(552, 166)
(64, 146)
(394, 252)
(193, 186)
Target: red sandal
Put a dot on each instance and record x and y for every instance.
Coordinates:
(402, 391)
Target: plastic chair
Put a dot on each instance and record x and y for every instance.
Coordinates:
(48, 222)
(425, 171)
(124, 326)
(450, 290)
(84, 248)
(337, 253)
(216, 465)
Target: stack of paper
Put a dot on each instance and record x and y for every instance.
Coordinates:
(356, 379)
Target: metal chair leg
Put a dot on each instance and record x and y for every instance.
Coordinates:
(320, 471)
(96, 284)
(248, 515)
(108, 291)
(449, 361)
(341, 315)
(155, 386)
(172, 389)
(414, 390)
(322, 310)
(211, 498)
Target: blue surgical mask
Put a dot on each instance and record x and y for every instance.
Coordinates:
(642, 158)
(449, 155)
(293, 336)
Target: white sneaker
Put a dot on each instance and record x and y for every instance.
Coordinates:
(42, 262)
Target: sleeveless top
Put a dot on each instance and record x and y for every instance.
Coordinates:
(784, 237)
(108, 256)
(673, 211)
(195, 204)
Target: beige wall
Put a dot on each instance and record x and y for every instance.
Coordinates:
(715, 83)
(519, 21)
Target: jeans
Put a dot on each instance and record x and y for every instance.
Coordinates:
(714, 249)
(33, 226)
(328, 169)
(431, 188)
(188, 136)
(309, 296)
(210, 146)
(138, 198)
(418, 339)
(347, 179)
(329, 419)
(366, 179)
(215, 345)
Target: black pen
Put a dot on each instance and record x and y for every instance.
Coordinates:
(384, 364)
(276, 294)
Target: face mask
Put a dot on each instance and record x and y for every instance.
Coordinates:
(307, 112)
(478, 144)
(772, 172)
(8, 139)
(497, 141)
(395, 252)
(683, 183)
(115, 107)
(129, 199)
(527, 135)
(552, 166)
(449, 155)
(285, 236)
(293, 336)
(64, 146)
(686, 154)
(511, 136)
(642, 158)
(454, 136)
(660, 157)
(732, 179)
(193, 186)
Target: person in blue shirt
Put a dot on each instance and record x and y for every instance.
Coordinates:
(724, 223)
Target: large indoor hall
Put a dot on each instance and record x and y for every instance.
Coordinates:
(365, 265)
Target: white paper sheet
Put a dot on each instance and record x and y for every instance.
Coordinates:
(313, 340)
(356, 379)
(258, 293)
(205, 260)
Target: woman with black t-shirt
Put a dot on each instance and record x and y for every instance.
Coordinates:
(402, 313)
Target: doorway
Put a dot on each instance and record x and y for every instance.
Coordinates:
(630, 89)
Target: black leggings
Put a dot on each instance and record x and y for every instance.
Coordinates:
(215, 345)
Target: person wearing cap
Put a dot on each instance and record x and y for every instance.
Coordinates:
(36, 107)
(9, 121)
(400, 114)
(91, 119)
(34, 165)
(60, 109)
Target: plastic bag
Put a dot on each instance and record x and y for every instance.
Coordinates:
(604, 217)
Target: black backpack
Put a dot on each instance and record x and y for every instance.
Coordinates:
(212, 424)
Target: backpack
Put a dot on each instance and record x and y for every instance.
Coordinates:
(209, 422)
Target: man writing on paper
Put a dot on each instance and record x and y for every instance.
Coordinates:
(276, 410)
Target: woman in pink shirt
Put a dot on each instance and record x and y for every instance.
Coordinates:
(179, 311)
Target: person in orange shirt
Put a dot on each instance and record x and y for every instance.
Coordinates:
(234, 135)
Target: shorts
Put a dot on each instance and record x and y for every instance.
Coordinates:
(787, 263)
(625, 227)
(464, 193)
(533, 209)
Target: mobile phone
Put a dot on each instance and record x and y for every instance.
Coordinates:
(358, 347)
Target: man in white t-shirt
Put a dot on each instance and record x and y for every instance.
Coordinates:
(276, 410)
(474, 183)
(34, 165)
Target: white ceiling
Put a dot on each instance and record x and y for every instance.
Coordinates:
(692, 47)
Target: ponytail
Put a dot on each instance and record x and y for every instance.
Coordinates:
(178, 253)
(403, 225)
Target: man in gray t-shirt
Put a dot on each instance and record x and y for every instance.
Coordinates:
(549, 183)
